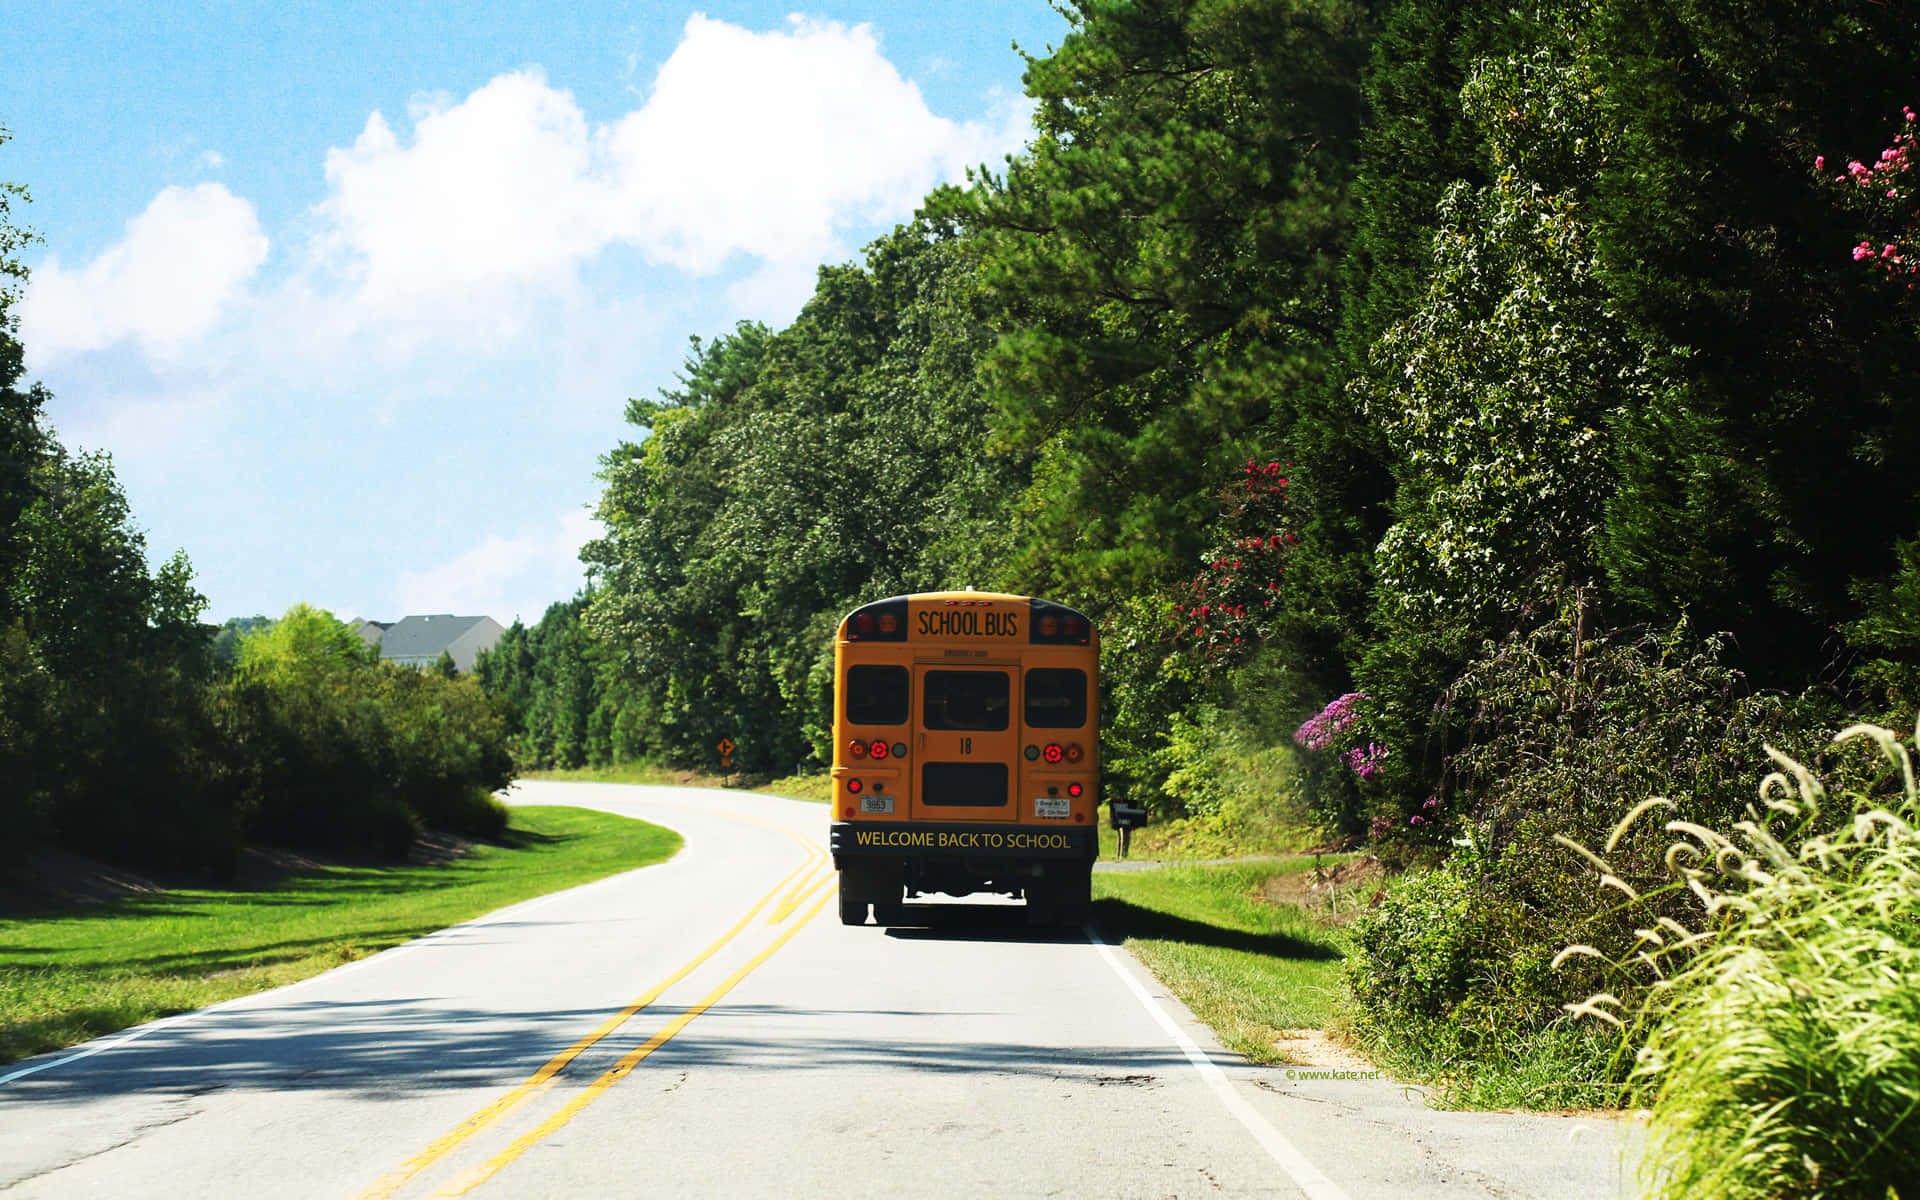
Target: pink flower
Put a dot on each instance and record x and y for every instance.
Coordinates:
(1820, 162)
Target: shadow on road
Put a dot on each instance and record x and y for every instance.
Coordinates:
(978, 923)
(390, 1048)
(1116, 919)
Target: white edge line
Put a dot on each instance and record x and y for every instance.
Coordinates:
(1307, 1177)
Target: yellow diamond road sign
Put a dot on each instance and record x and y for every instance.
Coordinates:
(726, 746)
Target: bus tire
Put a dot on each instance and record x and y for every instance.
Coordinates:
(1043, 903)
(889, 912)
(853, 910)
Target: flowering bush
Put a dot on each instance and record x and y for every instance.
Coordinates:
(1229, 603)
(1886, 192)
(1328, 727)
(1323, 728)
(1365, 760)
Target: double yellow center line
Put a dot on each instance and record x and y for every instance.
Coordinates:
(797, 887)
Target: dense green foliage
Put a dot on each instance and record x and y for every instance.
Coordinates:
(1490, 303)
(1464, 422)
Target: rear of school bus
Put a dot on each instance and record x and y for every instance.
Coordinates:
(966, 753)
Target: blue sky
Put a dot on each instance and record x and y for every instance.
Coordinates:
(355, 294)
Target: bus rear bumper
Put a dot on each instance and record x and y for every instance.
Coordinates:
(912, 840)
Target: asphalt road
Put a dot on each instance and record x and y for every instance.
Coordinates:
(707, 1028)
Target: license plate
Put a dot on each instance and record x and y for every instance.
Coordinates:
(1057, 808)
(876, 804)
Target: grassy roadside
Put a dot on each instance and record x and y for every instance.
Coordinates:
(1247, 966)
(74, 974)
(816, 787)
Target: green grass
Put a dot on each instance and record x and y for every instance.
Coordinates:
(1247, 967)
(77, 973)
(816, 787)
(626, 772)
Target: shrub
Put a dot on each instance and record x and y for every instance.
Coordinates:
(1781, 1020)
(1565, 729)
(336, 750)
(1417, 945)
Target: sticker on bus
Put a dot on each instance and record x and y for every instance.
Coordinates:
(1054, 808)
(876, 804)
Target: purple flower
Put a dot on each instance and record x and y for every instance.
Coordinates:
(1365, 760)
(1320, 730)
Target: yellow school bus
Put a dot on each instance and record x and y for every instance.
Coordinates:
(966, 736)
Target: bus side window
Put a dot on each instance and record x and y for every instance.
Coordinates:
(1056, 698)
(877, 695)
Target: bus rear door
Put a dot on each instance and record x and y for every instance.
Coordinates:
(965, 742)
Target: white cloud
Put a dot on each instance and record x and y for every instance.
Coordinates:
(775, 144)
(505, 577)
(772, 146)
(755, 153)
(178, 268)
(492, 191)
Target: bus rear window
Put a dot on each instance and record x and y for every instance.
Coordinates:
(969, 700)
(877, 695)
(1056, 698)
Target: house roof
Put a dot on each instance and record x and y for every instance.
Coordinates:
(429, 636)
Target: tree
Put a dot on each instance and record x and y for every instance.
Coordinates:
(791, 477)
(1164, 265)
(1765, 482)
(306, 647)
(1498, 389)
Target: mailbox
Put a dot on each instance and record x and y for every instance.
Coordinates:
(1126, 816)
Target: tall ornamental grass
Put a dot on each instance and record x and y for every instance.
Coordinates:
(1779, 1041)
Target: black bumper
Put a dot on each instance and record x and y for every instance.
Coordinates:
(901, 840)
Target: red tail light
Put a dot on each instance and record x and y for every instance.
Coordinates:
(1054, 752)
(1074, 789)
(1074, 752)
(856, 749)
(878, 750)
(853, 785)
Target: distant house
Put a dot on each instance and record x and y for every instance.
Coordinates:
(420, 641)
